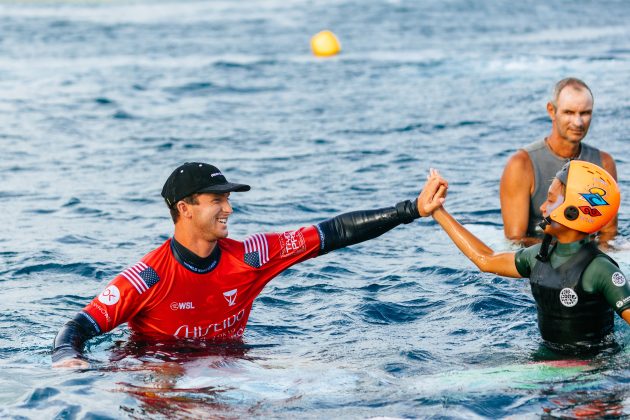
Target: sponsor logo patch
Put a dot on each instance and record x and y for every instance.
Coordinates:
(620, 303)
(230, 296)
(182, 305)
(618, 279)
(291, 243)
(110, 295)
(226, 328)
(568, 297)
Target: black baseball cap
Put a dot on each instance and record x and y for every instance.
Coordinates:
(196, 177)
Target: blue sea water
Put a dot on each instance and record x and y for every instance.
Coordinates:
(100, 100)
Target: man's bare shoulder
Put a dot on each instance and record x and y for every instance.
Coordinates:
(608, 163)
(518, 176)
(519, 164)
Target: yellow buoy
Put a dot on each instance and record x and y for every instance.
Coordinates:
(325, 44)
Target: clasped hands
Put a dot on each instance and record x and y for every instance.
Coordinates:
(433, 193)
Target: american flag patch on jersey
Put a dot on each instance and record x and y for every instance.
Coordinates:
(141, 276)
(256, 250)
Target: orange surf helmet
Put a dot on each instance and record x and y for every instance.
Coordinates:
(591, 199)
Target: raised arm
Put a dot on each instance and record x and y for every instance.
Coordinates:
(358, 226)
(516, 186)
(479, 253)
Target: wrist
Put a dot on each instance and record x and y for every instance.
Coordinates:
(407, 211)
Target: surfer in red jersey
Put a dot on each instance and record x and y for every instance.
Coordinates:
(200, 284)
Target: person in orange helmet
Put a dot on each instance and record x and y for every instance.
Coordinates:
(576, 286)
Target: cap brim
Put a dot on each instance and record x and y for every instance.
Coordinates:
(225, 188)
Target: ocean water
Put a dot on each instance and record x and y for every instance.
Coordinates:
(100, 100)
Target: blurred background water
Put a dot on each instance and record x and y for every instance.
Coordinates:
(100, 100)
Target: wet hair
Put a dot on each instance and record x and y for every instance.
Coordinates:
(569, 81)
(191, 199)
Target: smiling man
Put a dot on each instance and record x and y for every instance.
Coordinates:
(201, 285)
(528, 173)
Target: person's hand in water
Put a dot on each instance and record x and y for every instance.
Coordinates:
(71, 364)
(433, 193)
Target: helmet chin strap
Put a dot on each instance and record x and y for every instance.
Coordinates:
(543, 253)
(546, 221)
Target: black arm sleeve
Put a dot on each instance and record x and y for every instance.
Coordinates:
(358, 226)
(71, 338)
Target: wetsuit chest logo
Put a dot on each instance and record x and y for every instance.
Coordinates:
(568, 297)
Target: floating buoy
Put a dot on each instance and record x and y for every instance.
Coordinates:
(325, 44)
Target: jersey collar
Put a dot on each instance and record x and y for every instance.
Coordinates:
(192, 261)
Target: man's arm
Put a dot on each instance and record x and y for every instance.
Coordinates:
(120, 300)
(517, 184)
(609, 231)
(69, 342)
(479, 253)
(358, 226)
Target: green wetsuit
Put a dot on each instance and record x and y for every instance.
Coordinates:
(573, 306)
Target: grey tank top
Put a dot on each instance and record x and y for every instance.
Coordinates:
(546, 164)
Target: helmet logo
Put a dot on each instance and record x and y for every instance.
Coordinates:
(595, 197)
(593, 212)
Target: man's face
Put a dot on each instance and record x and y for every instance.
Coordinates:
(572, 116)
(210, 216)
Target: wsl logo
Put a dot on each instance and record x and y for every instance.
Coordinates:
(230, 297)
(182, 305)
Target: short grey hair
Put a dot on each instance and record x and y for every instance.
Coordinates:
(569, 81)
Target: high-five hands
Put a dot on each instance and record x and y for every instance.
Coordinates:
(433, 193)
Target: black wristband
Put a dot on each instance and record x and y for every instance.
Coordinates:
(407, 211)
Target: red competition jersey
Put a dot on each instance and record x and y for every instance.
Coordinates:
(159, 296)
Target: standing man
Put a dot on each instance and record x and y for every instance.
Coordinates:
(529, 172)
(201, 285)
